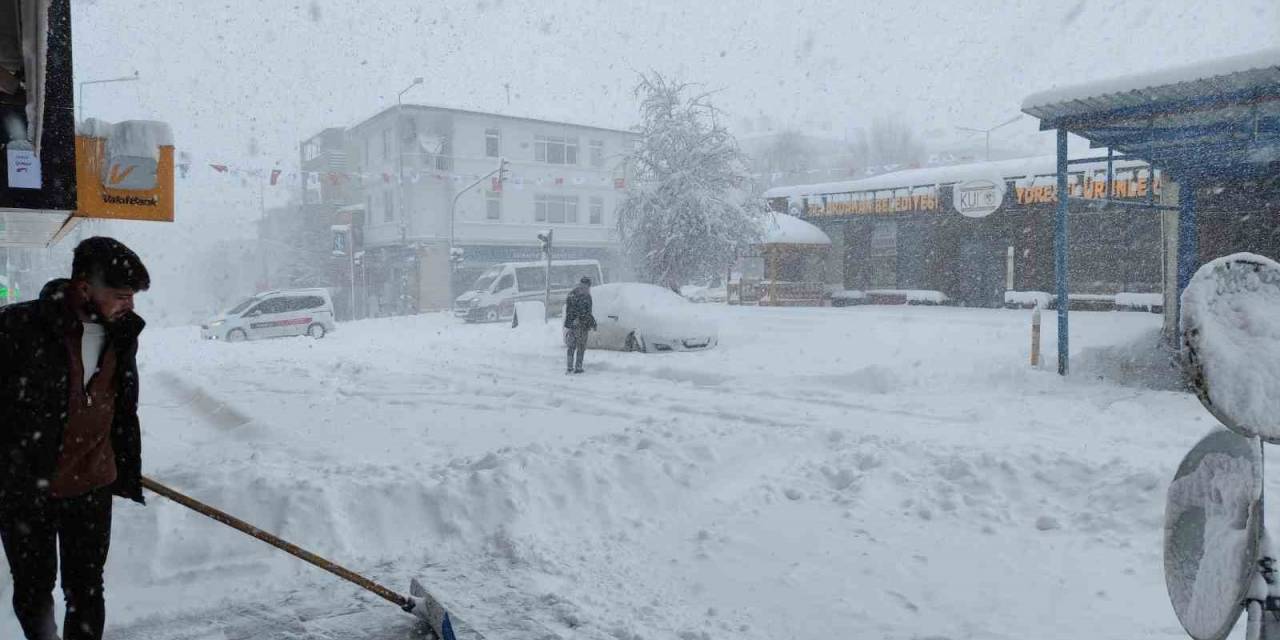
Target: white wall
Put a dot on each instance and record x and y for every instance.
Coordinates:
(431, 196)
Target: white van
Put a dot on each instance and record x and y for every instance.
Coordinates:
(494, 295)
(274, 314)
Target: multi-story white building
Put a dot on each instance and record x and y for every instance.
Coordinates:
(412, 161)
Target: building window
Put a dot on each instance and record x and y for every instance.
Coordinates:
(597, 210)
(883, 262)
(555, 209)
(368, 151)
(493, 205)
(492, 143)
(388, 208)
(597, 153)
(386, 143)
(444, 159)
(555, 149)
(310, 151)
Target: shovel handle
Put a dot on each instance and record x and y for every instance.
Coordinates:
(293, 549)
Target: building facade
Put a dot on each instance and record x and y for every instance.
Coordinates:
(409, 172)
(902, 231)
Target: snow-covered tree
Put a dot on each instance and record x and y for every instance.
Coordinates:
(687, 209)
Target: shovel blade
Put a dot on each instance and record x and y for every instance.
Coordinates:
(437, 617)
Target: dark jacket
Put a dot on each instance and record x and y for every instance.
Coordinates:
(34, 376)
(577, 309)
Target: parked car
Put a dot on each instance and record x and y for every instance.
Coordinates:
(631, 316)
(274, 314)
(496, 292)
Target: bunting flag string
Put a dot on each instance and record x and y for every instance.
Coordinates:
(276, 177)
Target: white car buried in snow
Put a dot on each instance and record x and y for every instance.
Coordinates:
(631, 316)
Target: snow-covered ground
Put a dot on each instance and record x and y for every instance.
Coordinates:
(866, 472)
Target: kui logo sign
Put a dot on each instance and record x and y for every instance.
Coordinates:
(978, 198)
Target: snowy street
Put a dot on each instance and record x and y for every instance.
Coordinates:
(888, 472)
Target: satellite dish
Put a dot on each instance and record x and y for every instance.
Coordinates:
(1231, 342)
(1213, 520)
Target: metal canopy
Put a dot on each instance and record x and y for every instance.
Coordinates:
(33, 229)
(1213, 121)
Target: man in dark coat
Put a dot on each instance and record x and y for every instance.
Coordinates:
(577, 322)
(69, 434)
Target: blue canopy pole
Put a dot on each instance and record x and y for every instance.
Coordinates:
(1060, 254)
(1188, 235)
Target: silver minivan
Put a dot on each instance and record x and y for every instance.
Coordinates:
(274, 314)
(495, 293)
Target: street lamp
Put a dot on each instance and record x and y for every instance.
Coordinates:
(399, 134)
(80, 100)
(987, 132)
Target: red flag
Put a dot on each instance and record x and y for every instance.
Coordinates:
(619, 183)
(220, 168)
(560, 180)
(275, 176)
(496, 185)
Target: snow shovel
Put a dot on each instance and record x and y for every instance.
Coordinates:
(419, 603)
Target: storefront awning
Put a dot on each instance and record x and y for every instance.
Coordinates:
(33, 229)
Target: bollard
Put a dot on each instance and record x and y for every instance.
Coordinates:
(1035, 336)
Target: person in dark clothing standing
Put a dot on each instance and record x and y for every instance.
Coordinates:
(577, 322)
(69, 434)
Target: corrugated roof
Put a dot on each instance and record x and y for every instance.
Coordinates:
(30, 229)
(1215, 119)
(1017, 168)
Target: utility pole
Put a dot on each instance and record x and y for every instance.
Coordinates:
(987, 132)
(399, 135)
(501, 172)
(545, 238)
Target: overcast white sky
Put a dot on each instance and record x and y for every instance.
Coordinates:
(243, 81)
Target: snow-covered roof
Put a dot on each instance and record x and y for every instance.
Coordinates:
(781, 228)
(1211, 121)
(1262, 61)
(1016, 168)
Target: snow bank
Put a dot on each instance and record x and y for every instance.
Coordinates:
(1146, 362)
(1143, 301)
(1029, 299)
(912, 296)
(1231, 339)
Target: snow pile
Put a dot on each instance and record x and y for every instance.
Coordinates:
(1231, 339)
(130, 138)
(1142, 301)
(1207, 584)
(1028, 299)
(1146, 362)
(912, 296)
(781, 228)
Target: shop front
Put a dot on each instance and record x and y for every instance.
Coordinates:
(969, 239)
